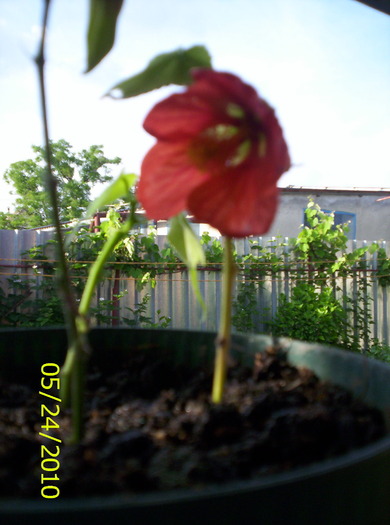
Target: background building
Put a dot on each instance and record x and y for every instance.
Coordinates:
(364, 208)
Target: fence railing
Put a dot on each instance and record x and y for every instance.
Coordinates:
(172, 296)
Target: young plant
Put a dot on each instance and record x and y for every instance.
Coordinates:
(219, 154)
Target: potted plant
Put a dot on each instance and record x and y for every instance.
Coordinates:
(254, 449)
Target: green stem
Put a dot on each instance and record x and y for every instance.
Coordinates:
(73, 379)
(72, 373)
(224, 334)
(98, 265)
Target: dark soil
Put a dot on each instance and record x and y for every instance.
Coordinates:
(152, 428)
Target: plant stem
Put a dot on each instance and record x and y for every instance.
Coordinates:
(76, 330)
(224, 334)
(70, 307)
(98, 265)
(72, 373)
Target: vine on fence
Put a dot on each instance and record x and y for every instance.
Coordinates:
(316, 264)
(320, 269)
(17, 309)
(383, 271)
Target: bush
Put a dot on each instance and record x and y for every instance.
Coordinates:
(380, 351)
(311, 315)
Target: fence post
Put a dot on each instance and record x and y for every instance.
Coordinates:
(354, 296)
(385, 326)
(273, 283)
(286, 257)
(365, 300)
(374, 268)
(261, 296)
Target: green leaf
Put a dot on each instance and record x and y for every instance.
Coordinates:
(164, 69)
(185, 242)
(103, 15)
(97, 267)
(373, 248)
(189, 249)
(119, 188)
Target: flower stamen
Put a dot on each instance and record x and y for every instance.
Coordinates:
(213, 146)
(241, 154)
(262, 145)
(235, 111)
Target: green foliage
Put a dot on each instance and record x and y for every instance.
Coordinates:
(383, 268)
(311, 314)
(35, 302)
(245, 307)
(319, 308)
(320, 270)
(76, 175)
(163, 70)
(182, 238)
(103, 16)
(320, 241)
(141, 319)
(380, 351)
(11, 301)
(136, 255)
(5, 218)
(212, 248)
(47, 310)
(18, 308)
(149, 260)
(120, 188)
(253, 269)
(106, 312)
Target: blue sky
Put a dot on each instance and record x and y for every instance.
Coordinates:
(324, 65)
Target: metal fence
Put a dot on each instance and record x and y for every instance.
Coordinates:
(172, 295)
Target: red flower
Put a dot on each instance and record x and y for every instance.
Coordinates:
(219, 154)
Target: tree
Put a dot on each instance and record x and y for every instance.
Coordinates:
(76, 175)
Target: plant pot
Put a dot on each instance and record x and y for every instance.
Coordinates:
(350, 489)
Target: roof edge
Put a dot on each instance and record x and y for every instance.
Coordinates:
(319, 189)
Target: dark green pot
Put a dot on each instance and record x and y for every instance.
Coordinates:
(353, 489)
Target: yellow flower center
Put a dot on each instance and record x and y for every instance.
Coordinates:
(227, 146)
(219, 148)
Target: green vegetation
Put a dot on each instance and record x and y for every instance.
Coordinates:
(75, 174)
(316, 307)
(131, 258)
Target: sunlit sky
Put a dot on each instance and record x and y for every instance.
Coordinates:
(324, 65)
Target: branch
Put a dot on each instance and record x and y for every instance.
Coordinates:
(76, 327)
(70, 306)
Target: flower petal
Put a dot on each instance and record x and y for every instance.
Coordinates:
(225, 89)
(276, 148)
(238, 204)
(179, 116)
(230, 89)
(204, 104)
(166, 180)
